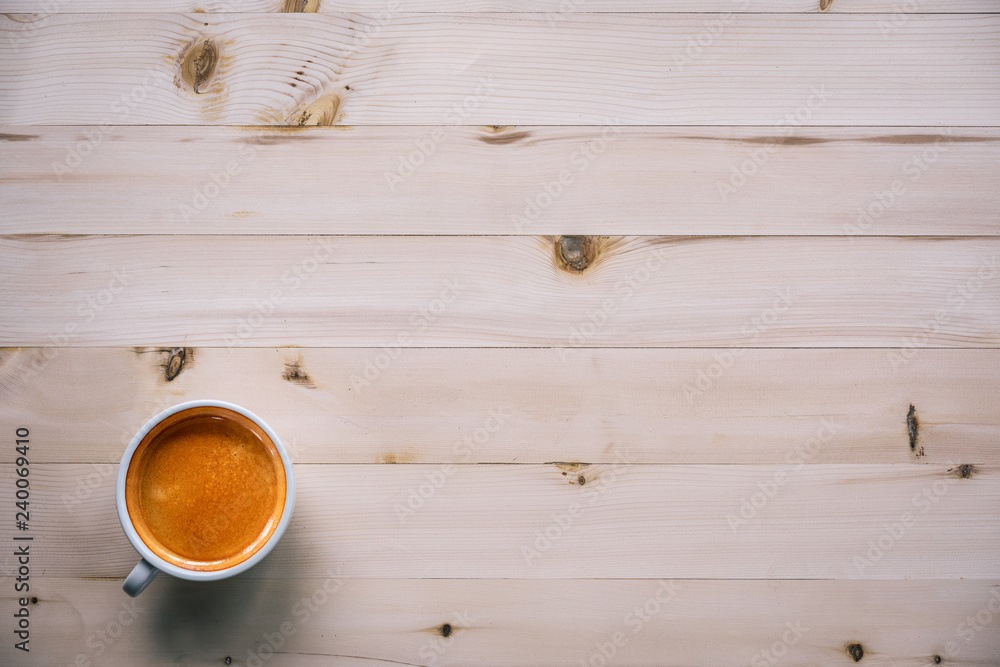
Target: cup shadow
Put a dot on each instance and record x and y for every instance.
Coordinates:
(217, 619)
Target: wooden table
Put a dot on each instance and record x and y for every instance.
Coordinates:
(652, 332)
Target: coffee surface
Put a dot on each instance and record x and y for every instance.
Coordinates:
(205, 490)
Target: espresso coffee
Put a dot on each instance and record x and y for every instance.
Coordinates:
(205, 489)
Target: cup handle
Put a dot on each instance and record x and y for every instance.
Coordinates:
(140, 577)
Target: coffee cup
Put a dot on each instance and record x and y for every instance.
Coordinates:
(205, 490)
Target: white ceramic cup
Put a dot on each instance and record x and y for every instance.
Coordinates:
(150, 565)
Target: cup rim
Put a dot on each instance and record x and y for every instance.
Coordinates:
(197, 575)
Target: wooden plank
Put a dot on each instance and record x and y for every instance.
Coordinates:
(500, 69)
(623, 521)
(527, 405)
(506, 622)
(558, 8)
(402, 291)
(523, 180)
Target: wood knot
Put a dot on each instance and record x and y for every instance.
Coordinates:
(296, 374)
(199, 64)
(175, 363)
(568, 466)
(301, 6)
(913, 429)
(936, 659)
(500, 137)
(445, 629)
(323, 111)
(964, 471)
(575, 253)
(825, 5)
(856, 651)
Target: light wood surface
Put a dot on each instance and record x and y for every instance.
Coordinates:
(500, 69)
(500, 291)
(496, 621)
(653, 332)
(555, 7)
(752, 406)
(519, 180)
(531, 521)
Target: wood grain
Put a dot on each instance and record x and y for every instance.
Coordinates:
(498, 621)
(558, 8)
(501, 69)
(499, 291)
(517, 180)
(762, 375)
(623, 521)
(527, 405)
